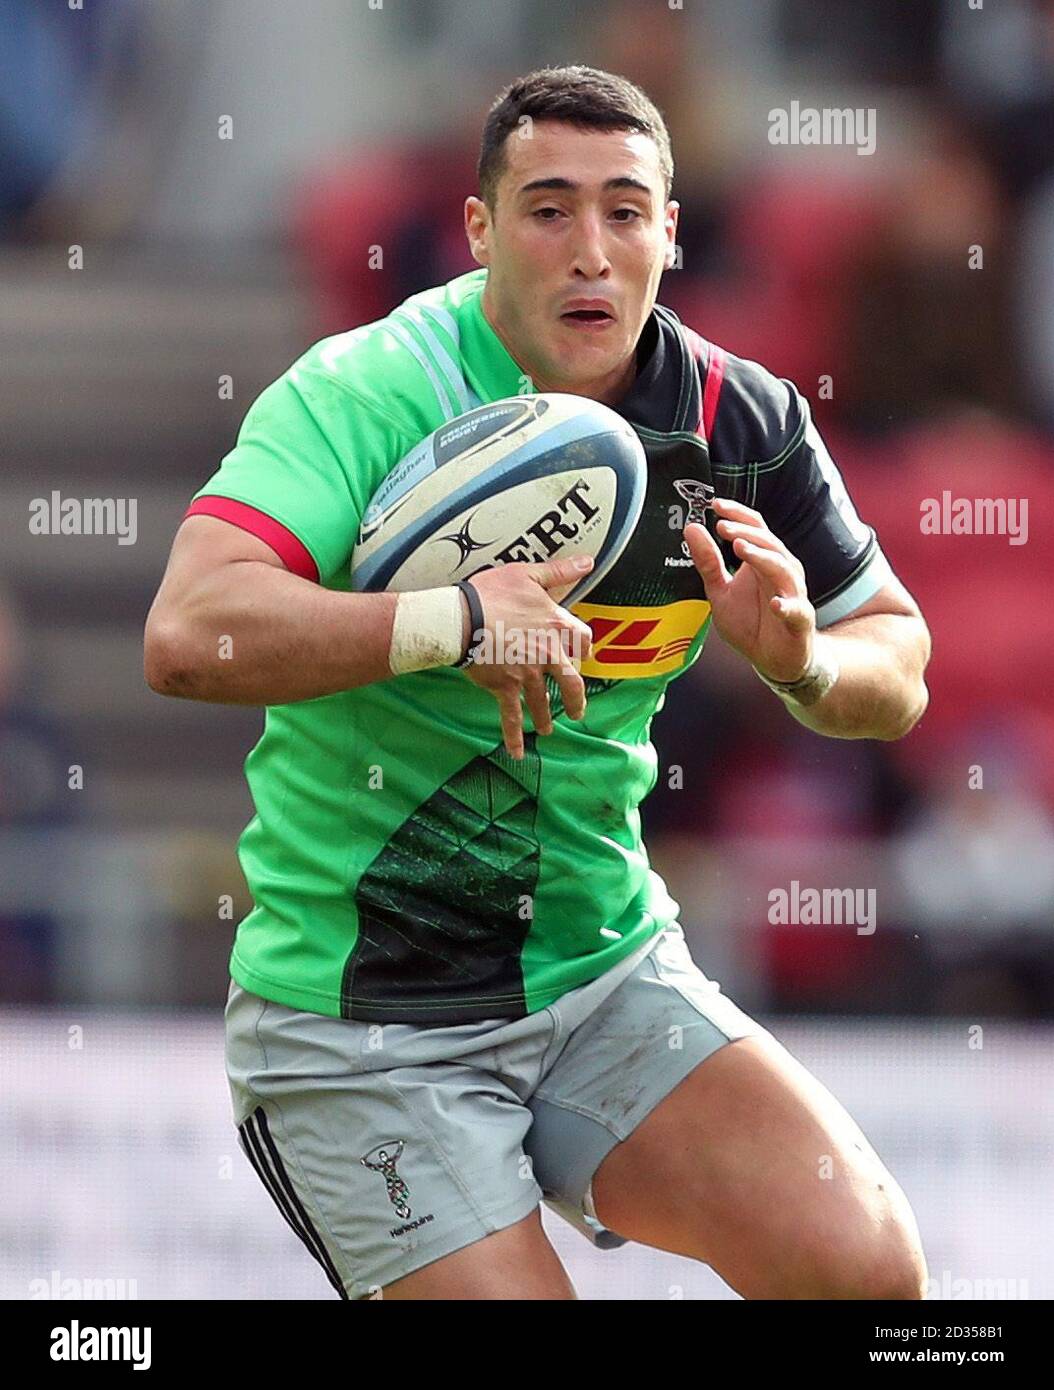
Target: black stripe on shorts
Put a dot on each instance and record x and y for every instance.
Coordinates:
(262, 1153)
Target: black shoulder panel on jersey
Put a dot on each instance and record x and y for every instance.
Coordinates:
(759, 416)
(763, 450)
(766, 452)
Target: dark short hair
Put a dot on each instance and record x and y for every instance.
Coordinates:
(581, 96)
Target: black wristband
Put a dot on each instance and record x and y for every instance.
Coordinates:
(476, 625)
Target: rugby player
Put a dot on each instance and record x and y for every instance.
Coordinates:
(461, 990)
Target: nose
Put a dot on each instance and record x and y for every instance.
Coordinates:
(590, 261)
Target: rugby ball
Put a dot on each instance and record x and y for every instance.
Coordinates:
(525, 478)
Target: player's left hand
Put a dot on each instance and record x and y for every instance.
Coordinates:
(763, 610)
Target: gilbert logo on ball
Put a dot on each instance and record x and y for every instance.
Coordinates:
(529, 478)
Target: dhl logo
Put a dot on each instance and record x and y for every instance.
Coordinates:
(635, 642)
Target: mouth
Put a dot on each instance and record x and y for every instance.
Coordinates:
(587, 318)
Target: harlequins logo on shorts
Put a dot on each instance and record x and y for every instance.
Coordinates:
(383, 1159)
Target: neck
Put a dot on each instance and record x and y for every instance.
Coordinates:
(608, 390)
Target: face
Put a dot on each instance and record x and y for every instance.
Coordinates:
(575, 248)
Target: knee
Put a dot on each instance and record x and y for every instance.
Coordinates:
(898, 1272)
(889, 1264)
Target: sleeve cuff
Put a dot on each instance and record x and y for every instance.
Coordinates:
(289, 548)
(863, 585)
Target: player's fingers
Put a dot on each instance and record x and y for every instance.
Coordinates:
(576, 637)
(774, 570)
(763, 537)
(797, 613)
(572, 689)
(561, 574)
(508, 698)
(736, 511)
(707, 557)
(537, 697)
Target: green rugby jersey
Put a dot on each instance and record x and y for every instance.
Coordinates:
(402, 867)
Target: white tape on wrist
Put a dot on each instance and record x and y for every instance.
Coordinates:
(812, 686)
(428, 630)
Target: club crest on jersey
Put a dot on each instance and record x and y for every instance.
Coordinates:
(698, 496)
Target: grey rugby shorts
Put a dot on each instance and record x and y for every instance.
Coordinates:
(389, 1146)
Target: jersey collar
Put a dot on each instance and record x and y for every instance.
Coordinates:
(490, 369)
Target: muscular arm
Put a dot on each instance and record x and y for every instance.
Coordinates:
(802, 535)
(231, 624)
(882, 651)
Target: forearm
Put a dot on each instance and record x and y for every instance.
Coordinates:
(880, 691)
(254, 634)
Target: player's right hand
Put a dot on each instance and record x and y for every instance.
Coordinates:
(522, 614)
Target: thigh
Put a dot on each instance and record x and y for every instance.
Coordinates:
(515, 1263)
(752, 1166)
(614, 1067)
(381, 1169)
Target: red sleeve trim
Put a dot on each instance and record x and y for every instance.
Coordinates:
(715, 375)
(292, 552)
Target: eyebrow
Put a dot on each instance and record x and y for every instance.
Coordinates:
(622, 181)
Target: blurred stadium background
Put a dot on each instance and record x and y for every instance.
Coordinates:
(354, 127)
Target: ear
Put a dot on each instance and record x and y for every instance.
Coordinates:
(670, 220)
(477, 229)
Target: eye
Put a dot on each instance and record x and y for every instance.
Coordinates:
(540, 213)
(633, 212)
